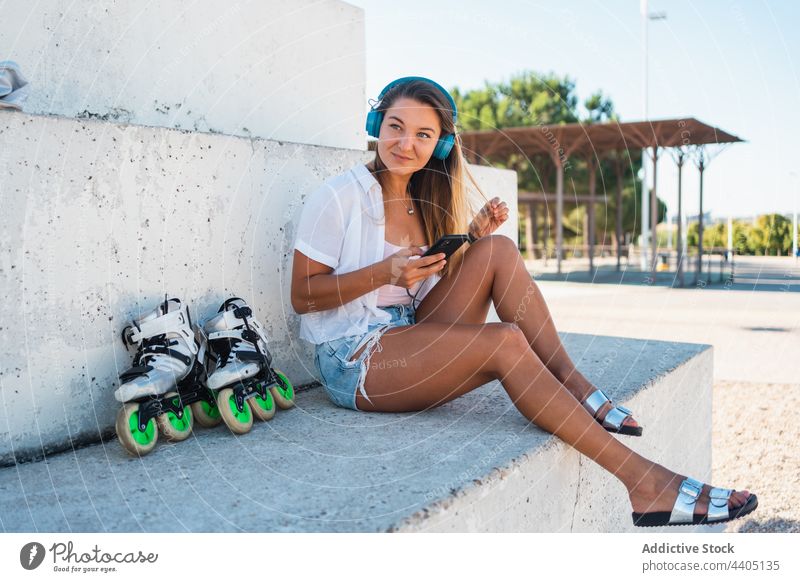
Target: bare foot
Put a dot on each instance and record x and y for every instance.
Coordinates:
(658, 490)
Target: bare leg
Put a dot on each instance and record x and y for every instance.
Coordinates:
(493, 270)
(439, 361)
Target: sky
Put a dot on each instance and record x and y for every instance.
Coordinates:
(732, 64)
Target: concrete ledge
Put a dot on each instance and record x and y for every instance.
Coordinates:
(474, 464)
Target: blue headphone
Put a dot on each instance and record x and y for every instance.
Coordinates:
(375, 118)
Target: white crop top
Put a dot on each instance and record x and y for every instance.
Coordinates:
(394, 294)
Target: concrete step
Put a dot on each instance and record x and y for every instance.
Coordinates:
(474, 464)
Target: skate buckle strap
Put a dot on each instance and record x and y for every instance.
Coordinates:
(134, 372)
(239, 318)
(239, 335)
(150, 350)
(227, 333)
(250, 336)
(173, 322)
(688, 493)
(243, 312)
(236, 317)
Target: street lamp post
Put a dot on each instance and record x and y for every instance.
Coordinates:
(647, 229)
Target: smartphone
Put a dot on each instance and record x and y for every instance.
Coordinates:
(448, 244)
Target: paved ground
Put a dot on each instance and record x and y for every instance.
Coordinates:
(776, 274)
(755, 334)
(754, 327)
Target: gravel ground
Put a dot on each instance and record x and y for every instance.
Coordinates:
(756, 432)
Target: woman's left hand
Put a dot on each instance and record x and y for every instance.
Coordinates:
(489, 218)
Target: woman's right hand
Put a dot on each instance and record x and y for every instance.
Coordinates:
(407, 267)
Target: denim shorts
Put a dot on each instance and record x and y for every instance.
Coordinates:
(342, 378)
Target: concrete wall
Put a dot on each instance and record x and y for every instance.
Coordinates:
(100, 220)
(281, 70)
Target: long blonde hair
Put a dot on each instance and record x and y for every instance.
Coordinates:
(440, 188)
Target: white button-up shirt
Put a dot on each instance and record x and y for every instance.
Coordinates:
(343, 225)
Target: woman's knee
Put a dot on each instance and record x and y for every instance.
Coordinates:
(507, 345)
(497, 244)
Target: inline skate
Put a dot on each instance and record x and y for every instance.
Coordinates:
(240, 368)
(164, 391)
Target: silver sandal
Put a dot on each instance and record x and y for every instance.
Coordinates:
(683, 510)
(615, 416)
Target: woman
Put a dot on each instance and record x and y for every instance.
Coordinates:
(381, 349)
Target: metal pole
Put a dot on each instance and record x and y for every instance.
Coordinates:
(592, 193)
(669, 231)
(648, 230)
(701, 166)
(679, 241)
(685, 241)
(528, 229)
(559, 212)
(645, 194)
(730, 238)
(618, 165)
(654, 213)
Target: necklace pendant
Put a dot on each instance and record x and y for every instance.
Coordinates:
(411, 211)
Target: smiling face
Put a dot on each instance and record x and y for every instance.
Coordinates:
(408, 135)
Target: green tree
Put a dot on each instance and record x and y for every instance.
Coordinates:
(599, 108)
(770, 235)
(530, 99)
(526, 99)
(715, 235)
(740, 237)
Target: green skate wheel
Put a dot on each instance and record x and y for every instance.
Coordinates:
(284, 392)
(137, 443)
(238, 422)
(263, 408)
(174, 428)
(206, 414)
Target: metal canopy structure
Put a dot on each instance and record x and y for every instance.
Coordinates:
(592, 142)
(578, 138)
